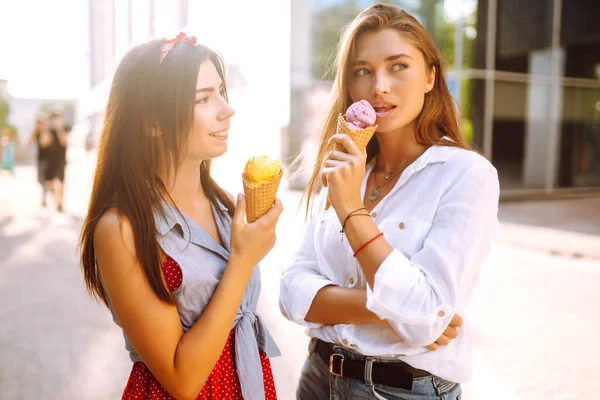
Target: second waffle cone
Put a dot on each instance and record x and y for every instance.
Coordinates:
(360, 137)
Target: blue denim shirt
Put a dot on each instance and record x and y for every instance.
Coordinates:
(203, 262)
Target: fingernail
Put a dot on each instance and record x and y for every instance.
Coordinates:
(239, 196)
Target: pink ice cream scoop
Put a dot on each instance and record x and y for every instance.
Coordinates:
(360, 115)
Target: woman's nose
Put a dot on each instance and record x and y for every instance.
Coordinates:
(226, 112)
(381, 84)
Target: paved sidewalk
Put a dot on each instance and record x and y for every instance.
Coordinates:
(563, 227)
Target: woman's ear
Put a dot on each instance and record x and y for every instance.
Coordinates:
(430, 79)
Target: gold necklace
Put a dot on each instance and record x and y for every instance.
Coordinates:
(376, 193)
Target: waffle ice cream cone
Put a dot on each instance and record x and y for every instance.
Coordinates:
(360, 137)
(260, 191)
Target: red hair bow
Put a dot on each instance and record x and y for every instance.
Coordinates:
(170, 43)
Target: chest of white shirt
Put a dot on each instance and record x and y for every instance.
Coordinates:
(404, 216)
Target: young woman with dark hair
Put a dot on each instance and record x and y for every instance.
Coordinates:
(163, 246)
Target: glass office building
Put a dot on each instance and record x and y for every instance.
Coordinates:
(526, 75)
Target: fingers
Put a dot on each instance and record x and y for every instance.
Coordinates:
(325, 173)
(277, 209)
(456, 321)
(433, 346)
(334, 159)
(338, 155)
(272, 216)
(451, 332)
(443, 340)
(333, 163)
(240, 210)
(345, 141)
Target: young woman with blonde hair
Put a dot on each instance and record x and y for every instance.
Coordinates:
(383, 277)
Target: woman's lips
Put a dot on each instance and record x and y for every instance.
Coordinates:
(220, 135)
(383, 111)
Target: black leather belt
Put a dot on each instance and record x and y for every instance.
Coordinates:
(397, 374)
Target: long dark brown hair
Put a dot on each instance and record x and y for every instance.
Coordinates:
(149, 117)
(437, 119)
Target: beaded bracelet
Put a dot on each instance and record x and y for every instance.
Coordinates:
(366, 244)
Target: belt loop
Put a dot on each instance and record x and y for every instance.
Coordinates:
(369, 370)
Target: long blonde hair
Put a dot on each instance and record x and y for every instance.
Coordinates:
(438, 117)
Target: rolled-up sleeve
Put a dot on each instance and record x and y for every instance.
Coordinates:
(302, 280)
(418, 296)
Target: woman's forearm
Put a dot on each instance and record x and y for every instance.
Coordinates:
(338, 305)
(206, 339)
(360, 231)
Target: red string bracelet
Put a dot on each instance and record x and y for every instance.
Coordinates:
(366, 244)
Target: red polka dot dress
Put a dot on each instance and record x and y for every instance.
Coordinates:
(223, 382)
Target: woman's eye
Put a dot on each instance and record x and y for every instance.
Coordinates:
(399, 67)
(202, 100)
(361, 72)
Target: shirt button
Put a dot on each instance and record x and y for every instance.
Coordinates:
(351, 280)
(441, 314)
(345, 341)
(322, 221)
(374, 214)
(401, 225)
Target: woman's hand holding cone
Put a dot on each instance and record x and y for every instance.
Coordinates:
(360, 137)
(253, 241)
(342, 174)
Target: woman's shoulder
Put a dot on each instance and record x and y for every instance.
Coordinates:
(465, 160)
(468, 171)
(467, 167)
(114, 230)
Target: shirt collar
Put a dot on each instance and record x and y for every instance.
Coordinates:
(173, 217)
(433, 155)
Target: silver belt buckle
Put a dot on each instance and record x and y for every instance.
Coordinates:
(331, 358)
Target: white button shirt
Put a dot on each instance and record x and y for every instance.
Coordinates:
(440, 219)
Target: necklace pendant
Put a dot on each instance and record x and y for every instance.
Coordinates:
(374, 194)
(387, 177)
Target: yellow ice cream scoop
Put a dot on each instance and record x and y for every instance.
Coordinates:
(261, 180)
(260, 169)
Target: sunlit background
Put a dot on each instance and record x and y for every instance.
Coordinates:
(526, 78)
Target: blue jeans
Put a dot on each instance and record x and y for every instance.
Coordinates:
(316, 383)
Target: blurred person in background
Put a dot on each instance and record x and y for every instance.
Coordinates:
(45, 144)
(7, 150)
(166, 248)
(417, 215)
(58, 153)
